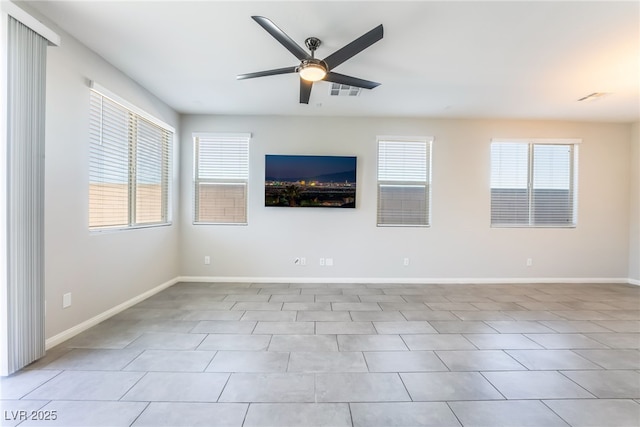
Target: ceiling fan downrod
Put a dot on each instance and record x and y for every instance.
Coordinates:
(312, 44)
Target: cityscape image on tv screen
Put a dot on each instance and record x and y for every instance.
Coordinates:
(310, 181)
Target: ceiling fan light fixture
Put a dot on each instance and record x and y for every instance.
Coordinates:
(312, 71)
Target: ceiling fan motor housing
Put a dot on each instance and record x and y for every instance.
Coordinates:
(313, 62)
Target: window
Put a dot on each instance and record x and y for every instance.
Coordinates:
(534, 183)
(221, 173)
(129, 158)
(404, 180)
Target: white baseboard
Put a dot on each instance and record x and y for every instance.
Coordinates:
(634, 282)
(72, 332)
(407, 280)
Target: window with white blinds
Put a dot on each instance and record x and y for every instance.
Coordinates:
(534, 183)
(129, 159)
(221, 178)
(404, 181)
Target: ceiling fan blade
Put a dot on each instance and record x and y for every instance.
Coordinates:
(349, 81)
(274, 72)
(355, 47)
(283, 38)
(305, 90)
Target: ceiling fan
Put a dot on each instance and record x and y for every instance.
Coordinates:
(312, 69)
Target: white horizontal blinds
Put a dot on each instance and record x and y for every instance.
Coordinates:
(509, 184)
(403, 182)
(129, 160)
(552, 196)
(221, 178)
(108, 163)
(152, 173)
(223, 157)
(533, 184)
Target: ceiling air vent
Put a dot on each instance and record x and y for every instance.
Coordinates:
(344, 90)
(594, 96)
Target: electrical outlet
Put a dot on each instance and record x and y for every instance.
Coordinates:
(66, 300)
(207, 260)
(321, 261)
(529, 262)
(303, 261)
(405, 262)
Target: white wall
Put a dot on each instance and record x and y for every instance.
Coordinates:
(460, 244)
(101, 270)
(634, 197)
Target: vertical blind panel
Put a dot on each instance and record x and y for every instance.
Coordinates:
(222, 173)
(403, 182)
(108, 163)
(223, 158)
(26, 78)
(129, 160)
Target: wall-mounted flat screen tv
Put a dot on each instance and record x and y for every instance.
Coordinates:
(310, 181)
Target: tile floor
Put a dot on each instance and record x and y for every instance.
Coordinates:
(250, 354)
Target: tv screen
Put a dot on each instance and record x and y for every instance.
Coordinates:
(310, 181)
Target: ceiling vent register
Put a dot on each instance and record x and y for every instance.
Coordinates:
(344, 90)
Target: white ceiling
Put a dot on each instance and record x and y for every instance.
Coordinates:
(437, 59)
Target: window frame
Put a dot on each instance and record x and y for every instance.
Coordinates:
(135, 116)
(407, 182)
(245, 137)
(573, 176)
